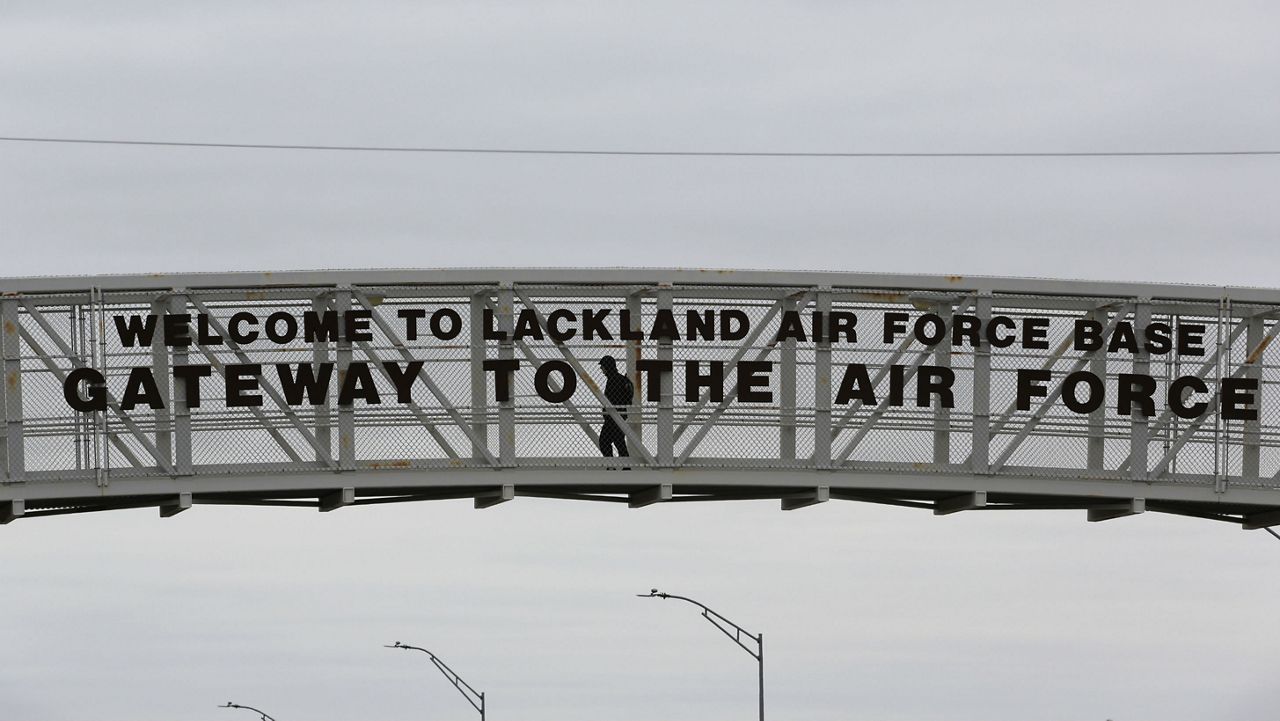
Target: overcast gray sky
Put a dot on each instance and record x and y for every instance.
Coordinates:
(869, 613)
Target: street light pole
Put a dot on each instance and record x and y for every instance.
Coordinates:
(725, 625)
(260, 712)
(473, 697)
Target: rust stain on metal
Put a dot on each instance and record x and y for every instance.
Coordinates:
(1257, 352)
(378, 465)
(12, 379)
(10, 328)
(883, 296)
(255, 295)
(954, 278)
(591, 383)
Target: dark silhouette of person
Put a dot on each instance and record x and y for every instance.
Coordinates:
(618, 392)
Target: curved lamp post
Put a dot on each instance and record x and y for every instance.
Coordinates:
(735, 633)
(260, 712)
(473, 697)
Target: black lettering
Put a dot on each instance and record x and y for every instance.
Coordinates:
(491, 331)
(189, 376)
(1159, 338)
(664, 326)
(503, 369)
(1031, 385)
(242, 381)
(1092, 401)
(897, 383)
(628, 327)
(542, 381)
(843, 323)
(734, 324)
(1035, 333)
(140, 388)
(856, 385)
(357, 382)
(558, 334)
(931, 380)
(930, 329)
(593, 324)
(239, 336)
(96, 400)
(700, 325)
(751, 376)
(1136, 388)
(1180, 392)
(653, 370)
(290, 327)
(527, 325)
(355, 325)
(895, 324)
(1123, 338)
(994, 338)
(791, 327)
(402, 378)
(1191, 339)
(319, 327)
(411, 316)
(437, 324)
(965, 327)
(307, 383)
(205, 336)
(177, 330)
(135, 330)
(1088, 336)
(713, 381)
(1238, 400)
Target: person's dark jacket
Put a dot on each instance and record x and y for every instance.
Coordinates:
(618, 391)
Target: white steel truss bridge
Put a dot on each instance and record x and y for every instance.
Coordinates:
(980, 420)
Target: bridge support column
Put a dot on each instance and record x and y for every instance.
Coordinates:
(178, 505)
(650, 496)
(11, 510)
(489, 499)
(962, 502)
(1117, 510)
(337, 499)
(821, 494)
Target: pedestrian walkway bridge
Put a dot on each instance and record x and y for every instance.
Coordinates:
(332, 389)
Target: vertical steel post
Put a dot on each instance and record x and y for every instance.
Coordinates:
(980, 455)
(787, 388)
(181, 415)
(1095, 453)
(160, 372)
(666, 406)
(1139, 424)
(635, 413)
(346, 414)
(320, 304)
(941, 414)
(11, 357)
(822, 387)
(507, 352)
(479, 386)
(1250, 460)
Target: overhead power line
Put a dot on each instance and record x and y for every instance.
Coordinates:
(646, 153)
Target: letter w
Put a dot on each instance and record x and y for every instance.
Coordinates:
(135, 331)
(305, 382)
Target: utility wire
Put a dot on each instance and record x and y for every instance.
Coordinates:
(648, 153)
(1277, 535)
